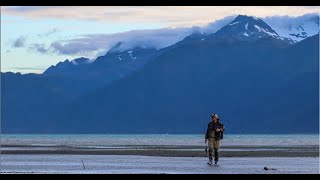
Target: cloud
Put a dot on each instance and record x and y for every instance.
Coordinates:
(20, 42)
(49, 33)
(172, 16)
(310, 23)
(215, 26)
(74, 48)
(287, 21)
(97, 44)
(92, 45)
(38, 47)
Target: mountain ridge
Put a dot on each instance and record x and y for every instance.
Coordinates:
(171, 86)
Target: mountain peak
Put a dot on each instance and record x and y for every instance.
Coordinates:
(80, 60)
(66, 65)
(246, 18)
(247, 28)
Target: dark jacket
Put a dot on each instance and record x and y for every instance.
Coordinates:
(212, 129)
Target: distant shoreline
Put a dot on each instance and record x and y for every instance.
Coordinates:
(165, 150)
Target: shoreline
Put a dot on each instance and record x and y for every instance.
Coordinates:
(164, 150)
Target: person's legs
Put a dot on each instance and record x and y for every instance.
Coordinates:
(206, 150)
(216, 146)
(211, 146)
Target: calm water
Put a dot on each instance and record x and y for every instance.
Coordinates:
(157, 139)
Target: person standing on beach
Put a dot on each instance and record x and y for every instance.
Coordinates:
(213, 136)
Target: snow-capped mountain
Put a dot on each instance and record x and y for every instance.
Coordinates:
(241, 68)
(245, 28)
(295, 28)
(248, 28)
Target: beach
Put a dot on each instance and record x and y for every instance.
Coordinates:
(165, 150)
(132, 164)
(64, 155)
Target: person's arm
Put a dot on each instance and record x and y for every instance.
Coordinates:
(207, 135)
(220, 128)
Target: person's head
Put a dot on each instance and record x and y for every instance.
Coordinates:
(214, 117)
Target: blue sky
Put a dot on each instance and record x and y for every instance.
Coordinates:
(34, 38)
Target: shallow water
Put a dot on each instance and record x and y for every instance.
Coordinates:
(156, 139)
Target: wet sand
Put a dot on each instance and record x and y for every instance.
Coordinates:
(156, 159)
(132, 164)
(167, 151)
